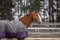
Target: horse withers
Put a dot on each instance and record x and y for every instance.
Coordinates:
(18, 28)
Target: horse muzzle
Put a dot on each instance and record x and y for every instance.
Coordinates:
(39, 22)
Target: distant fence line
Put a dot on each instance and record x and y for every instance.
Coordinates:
(45, 24)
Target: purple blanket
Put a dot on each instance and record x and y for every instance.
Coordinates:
(12, 29)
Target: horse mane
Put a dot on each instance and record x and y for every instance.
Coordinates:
(27, 15)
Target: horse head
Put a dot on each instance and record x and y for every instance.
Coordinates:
(36, 17)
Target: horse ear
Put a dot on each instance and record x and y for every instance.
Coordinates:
(36, 11)
(33, 11)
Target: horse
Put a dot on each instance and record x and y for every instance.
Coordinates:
(18, 28)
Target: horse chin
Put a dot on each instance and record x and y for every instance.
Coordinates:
(40, 22)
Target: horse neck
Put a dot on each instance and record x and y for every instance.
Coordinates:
(26, 20)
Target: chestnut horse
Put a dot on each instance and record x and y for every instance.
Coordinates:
(18, 28)
(26, 20)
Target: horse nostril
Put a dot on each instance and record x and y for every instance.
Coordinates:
(39, 22)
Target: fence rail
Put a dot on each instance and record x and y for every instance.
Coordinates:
(42, 38)
(45, 24)
(48, 30)
(45, 28)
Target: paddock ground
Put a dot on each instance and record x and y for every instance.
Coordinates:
(34, 39)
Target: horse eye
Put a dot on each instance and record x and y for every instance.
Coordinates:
(35, 12)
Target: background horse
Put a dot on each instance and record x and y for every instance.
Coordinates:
(18, 28)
